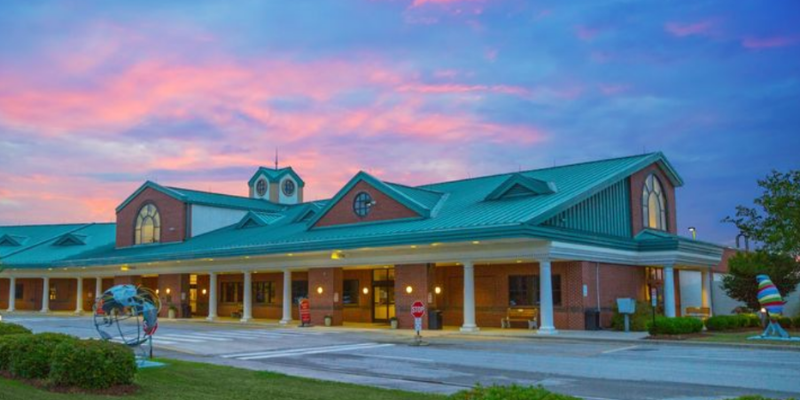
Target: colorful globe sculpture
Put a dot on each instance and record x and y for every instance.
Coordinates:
(127, 314)
(769, 297)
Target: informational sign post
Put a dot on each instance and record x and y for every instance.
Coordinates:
(418, 311)
(305, 313)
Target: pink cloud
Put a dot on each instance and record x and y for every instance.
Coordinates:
(611, 89)
(586, 33)
(770, 42)
(680, 29)
(418, 3)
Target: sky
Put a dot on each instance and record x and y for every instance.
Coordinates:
(98, 97)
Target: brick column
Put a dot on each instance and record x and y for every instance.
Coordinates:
(420, 277)
(329, 302)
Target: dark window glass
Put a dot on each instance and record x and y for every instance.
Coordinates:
(18, 292)
(288, 187)
(264, 292)
(362, 204)
(299, 291)
(261, 187)
(350, 291)
(523, 290)
(232, 292)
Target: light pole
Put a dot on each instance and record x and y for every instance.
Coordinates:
(694, 232)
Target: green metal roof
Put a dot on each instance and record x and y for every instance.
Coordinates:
(62, 243)
(449, 211)
(275, 175)
(205, 198)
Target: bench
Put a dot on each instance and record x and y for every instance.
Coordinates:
(698, 312)
(517, 314)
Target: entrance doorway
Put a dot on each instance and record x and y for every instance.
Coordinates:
(383, 295)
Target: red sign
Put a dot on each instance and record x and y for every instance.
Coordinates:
(305, 311)
(418, 309)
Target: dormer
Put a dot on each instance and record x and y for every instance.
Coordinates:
(71, 239)
(519, 185)
(281, 186)
(8, 240)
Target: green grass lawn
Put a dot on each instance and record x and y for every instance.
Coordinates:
(184, 380)
(741, 337)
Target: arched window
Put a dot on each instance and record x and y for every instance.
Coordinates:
(654, 204)
(148, 225)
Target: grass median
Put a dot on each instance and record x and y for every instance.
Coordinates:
(181, 380)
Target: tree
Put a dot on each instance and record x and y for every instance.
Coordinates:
(740, 283)
(775, 223)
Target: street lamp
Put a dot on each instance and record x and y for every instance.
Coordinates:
(694, 232)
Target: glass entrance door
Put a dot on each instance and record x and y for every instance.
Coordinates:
(382, 294)
(383, 303)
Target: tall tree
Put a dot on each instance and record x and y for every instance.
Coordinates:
(740, 283)
(774, 222)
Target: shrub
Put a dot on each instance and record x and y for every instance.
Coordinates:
(92, 364)
(639, 319)
(749, 321)
(12, 329)
(675, 326)
(30, 354)
(796, 322)
(6, 343)
(785, 322)
(513, 392)
(724, 322)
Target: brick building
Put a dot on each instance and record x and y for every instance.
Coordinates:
(560, 241)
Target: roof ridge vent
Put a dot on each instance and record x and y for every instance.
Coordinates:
(518, 185)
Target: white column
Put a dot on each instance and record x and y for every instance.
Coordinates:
(98, 288)
(546, 298)
(469, 298)
(46, 294)
(669, 291)
(247, 313)
(212, 296)
(79, 297)
(707, 277)
(12, 293)
(287, 297)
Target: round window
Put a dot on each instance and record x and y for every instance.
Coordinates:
(288, 187)
(362, 204)
(261, 187)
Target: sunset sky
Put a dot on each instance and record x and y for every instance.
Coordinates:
(97, 97)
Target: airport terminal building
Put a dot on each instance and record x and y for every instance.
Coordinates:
(559, 242)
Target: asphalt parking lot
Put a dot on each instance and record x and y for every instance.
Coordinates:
(589, 369)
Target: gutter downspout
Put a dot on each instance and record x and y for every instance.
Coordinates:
(597, 283)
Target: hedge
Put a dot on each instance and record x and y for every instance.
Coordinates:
(513, 392)
(7, 342)
(675, 326)
(7, 328)
(796, 322)
(30, 355)
(92, 364)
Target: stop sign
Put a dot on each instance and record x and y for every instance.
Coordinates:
(418, 309)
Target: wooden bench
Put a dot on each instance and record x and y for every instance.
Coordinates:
(517, 314)
(698, 312)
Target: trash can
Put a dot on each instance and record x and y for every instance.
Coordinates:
(592, 320)
(435, 320)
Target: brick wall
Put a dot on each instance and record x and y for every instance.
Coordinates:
(65, 294)
(637, 184)
(385, 208)
(330, 301)
(4, 288)
(178, 285)
(616, 281)
(362, 310)
(172, 211)
(31, 295)
(135, 280)
(421, 278)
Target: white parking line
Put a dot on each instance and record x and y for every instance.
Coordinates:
(203, 336)
(178, 338)
(619, 349)
(304, 351)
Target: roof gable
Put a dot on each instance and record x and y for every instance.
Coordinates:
(12, 240)
(252, 220)
(152, 185)
(518, 185)
(275, 175)
(71, 239)
(411, 198)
